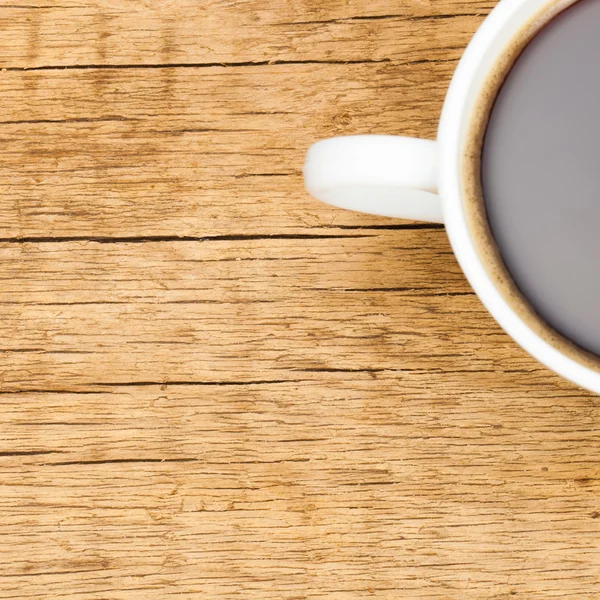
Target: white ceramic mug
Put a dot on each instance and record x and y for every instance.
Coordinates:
(422, 180)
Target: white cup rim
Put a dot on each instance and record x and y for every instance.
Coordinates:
(500, 27)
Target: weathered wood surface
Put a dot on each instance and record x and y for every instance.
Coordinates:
(212, 386)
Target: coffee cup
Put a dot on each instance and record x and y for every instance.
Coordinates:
(438, 181)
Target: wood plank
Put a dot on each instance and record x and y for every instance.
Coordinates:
(42, 33)
(76, 314)
(197, 152)
(326, 488)
(102, 152)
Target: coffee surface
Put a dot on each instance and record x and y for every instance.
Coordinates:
(540, 173)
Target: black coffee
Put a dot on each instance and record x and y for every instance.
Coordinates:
(540, 173)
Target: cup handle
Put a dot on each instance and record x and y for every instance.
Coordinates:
(383, 175)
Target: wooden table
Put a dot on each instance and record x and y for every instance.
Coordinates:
(213, 386)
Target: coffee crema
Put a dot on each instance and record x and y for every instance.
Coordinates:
(532, 181)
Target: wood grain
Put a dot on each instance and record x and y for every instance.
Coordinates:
(213, 386)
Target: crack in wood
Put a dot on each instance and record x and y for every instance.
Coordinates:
(386, 17)
(108, 119)
(143, 239)
(200, 65)
(116, 461)
(9, 454)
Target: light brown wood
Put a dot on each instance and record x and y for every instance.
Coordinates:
(212, 386)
